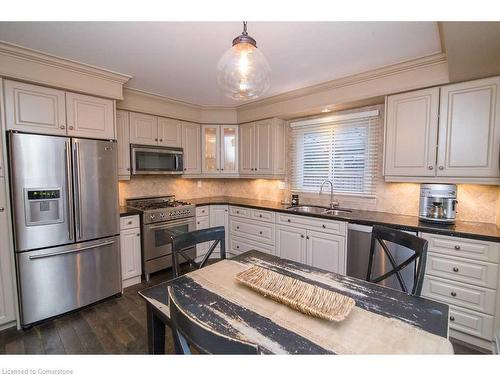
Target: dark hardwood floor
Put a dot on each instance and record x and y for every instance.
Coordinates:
(115, 326)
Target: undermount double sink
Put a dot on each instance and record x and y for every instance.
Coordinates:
(318, 210)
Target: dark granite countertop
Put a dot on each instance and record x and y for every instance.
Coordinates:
(128, 211)
(467, 229)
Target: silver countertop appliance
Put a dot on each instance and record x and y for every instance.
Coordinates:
(161, 217)
(66, 222)
(438, 203)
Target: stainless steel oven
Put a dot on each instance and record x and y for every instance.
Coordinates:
(157, 246)
(156, 160)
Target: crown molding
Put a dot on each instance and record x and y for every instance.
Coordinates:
(388, 70)
(35, 66)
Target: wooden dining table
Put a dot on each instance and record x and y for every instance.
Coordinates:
(383, 321)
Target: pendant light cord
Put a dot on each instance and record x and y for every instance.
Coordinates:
(244, 28)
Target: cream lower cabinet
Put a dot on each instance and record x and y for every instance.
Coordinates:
(191, 143)
(130, 248)
(322, 250)
(458, 143)
(464, 274)
(202, 222)
(123, 141)
(209, 217)
(262, 148)
(219, 217)
(7, 291)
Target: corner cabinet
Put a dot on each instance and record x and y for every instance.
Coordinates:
(219, 149)
(262, 148)
(191, 143)
(123, 141)
(460, 142)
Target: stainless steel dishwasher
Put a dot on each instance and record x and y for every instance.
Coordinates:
(358, 252)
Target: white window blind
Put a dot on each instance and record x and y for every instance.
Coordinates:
(342, 149)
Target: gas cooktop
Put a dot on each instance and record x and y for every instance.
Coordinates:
(157, 209)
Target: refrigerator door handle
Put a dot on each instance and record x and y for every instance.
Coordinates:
(78, 196)
(71, 251)
(69, 189)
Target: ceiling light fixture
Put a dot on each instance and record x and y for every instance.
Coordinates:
(243, 71)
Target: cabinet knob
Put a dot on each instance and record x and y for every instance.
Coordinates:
(260, 215)
(237, 227)
(62, 126)
(222, 169)
(455, 269)
(431, 167)
(156, 139)
(441, 167)
(198, 223)
(457, 247)
(237, 211)
(2, 209)
(185, 169)
(260, 232)
(161, 139)
(138, 234)
(453, 294)
(129, 223)
(301, 236)
(452, 318)
(71, 128)
(307, 237)
(324, 226)
(289, 220)
(217, 168)
(237, 246)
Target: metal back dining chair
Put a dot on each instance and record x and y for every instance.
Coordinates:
(184, 241)
(188, 332)
(382, 235)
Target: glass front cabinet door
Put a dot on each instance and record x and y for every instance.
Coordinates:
(219, 149)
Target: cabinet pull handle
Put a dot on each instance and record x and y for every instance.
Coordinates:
(431, 167)
(441, 167)
(324, 226)
(457, 247)
(455, 269)
(453, 294)
(2, 209)
(452, 318)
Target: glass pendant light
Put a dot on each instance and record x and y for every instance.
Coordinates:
(243, 71)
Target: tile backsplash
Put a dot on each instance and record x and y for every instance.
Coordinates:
(476, 202)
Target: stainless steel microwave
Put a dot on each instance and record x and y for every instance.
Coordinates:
(156, 160)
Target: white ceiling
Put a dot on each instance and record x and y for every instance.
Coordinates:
(178, 59)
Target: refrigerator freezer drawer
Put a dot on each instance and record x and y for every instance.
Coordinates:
(57, 280)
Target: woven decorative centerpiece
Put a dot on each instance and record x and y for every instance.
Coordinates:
(304, 297)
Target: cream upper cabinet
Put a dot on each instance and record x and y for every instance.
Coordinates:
(123, 141)
(219, 149)
(143, 129)
(34, 109)
(191, 143)
(7, 305)
(88, 116)
(210, 149)
(169, 132)
(247, 140)
(469, 129)
(411, 133)
(263, 148)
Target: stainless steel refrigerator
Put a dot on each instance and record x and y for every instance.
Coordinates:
(66, 222)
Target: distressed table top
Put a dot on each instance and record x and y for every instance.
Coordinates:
(384, 321)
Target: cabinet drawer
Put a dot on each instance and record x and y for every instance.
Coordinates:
(462, 247)
(467, 271)
(471, 297)
(240, 211)
(128, 222)
(330, 226)
(471, 322)
(263, 215)
(202, 211)
(255, 230)
(241, 245)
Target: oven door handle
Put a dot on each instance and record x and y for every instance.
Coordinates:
(172, 224)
